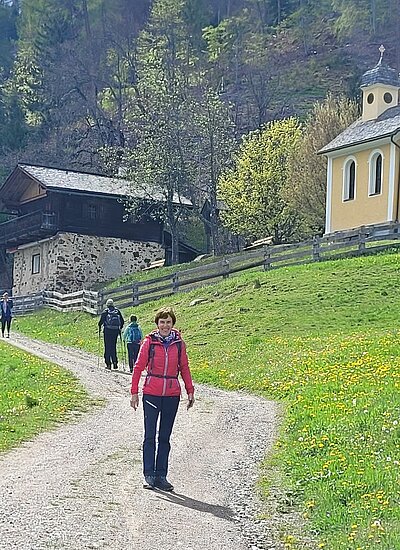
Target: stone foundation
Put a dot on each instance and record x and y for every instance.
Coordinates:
(70, 262)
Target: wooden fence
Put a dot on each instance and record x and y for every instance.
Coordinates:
(27, 304)
(82, 300)
(358, 241)
(353, 242)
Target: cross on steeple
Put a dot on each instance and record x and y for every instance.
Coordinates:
(382, 51)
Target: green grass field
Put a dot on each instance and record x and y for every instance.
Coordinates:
(323, 339)
(34, 395)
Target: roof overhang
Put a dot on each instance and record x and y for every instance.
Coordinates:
(21, 178)
(15, 186)
(358, 145)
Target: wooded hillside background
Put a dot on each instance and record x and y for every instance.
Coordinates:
(83, 83)
(60, 60)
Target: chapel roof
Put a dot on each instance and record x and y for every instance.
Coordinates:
(386, 125)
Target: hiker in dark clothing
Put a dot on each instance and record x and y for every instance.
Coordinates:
(6, 314)
(112, 322)
(132, 336)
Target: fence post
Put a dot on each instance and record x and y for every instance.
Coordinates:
(225, 268)
(100, 299)
(175, 282)
(135, 294)
(84, 300)
(315, 249)
(267, 258)
(361, 240)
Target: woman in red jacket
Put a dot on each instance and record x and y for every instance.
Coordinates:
(163, 355)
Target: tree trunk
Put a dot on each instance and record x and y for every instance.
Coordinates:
(174, 247)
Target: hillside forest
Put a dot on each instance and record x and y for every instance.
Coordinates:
(225, 102)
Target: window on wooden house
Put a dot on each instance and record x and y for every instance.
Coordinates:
(375, 174)
(90, 211)
(35, 263)
(349, 180)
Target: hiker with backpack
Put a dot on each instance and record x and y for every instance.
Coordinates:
(112, 322)
(163, 355)
(132, 336)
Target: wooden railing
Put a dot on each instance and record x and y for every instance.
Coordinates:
(357, 241)
(83, 300)
(27, 304)
(353, 242)
(23, 227)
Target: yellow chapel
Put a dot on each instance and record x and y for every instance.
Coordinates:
(363, 161)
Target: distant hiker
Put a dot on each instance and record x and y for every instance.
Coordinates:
(112, 322)
(6, 314)
(163, 354)
(132, 336)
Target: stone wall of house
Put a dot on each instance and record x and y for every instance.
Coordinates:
(69, 262)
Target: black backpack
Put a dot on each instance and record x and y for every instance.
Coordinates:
(112, 319)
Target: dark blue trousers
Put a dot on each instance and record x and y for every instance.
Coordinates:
(110, 347)
(133, 352)
(162, 410)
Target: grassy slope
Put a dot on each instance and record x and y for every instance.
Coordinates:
(322, 338)
(34, 395)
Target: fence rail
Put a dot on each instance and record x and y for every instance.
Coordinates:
(83, 300)
(352, 242)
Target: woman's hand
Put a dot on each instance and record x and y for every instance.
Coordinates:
(134, 401)
(190, 401)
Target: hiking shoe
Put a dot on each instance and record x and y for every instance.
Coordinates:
(108, 367)
(163, 484)
(149, 482)
(115, 367)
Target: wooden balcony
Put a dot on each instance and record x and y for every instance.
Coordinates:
(31, 227)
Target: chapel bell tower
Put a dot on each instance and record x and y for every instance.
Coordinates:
(380, 87)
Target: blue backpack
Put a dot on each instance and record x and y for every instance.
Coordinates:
(134, 335)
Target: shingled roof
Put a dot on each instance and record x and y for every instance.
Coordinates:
(70, 180)
(381, 74)
(386, 125)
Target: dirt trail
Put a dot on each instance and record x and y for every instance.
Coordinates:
(79, 486)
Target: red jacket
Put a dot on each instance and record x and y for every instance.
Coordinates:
(162, 367)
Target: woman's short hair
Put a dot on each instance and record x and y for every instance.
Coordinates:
(163, 313)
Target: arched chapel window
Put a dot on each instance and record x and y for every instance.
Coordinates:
(349, 183)
(375, 174)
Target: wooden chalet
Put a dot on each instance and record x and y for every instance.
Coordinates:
(70, 229)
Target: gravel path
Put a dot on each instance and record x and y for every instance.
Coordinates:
(79, 486)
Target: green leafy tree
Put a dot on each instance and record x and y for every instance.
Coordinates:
(160, 156)
(252, 190)
(306, 185)
(214, 138)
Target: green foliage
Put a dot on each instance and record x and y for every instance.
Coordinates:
(252, 190)
(158, 163)
(363, 15)
(305, 190)
(27, 85)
